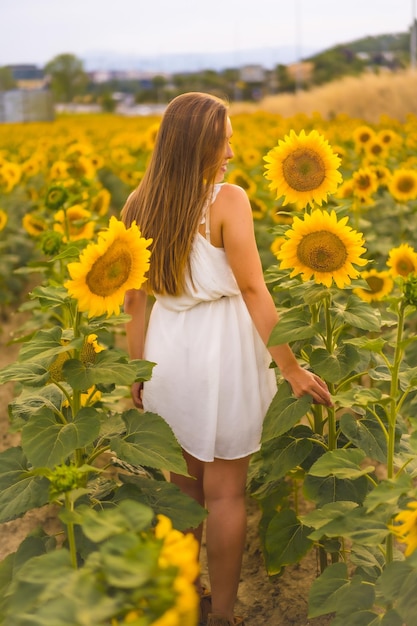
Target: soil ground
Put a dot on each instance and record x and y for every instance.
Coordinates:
(262, 602)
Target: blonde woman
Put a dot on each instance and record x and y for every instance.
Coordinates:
(209, 327)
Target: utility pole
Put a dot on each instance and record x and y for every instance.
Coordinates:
(413, 37)
(299, 70)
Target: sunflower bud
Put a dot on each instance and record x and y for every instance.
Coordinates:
(65, 478)
(56, 197)
(51, 243)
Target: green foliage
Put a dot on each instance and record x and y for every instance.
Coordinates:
(100, 462)
(67, 77)
(333, 456)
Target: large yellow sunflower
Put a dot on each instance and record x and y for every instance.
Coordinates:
(380, 285)
(108, 268)
(402, 260)
(403, 185)
(321, 247)
(303, 168)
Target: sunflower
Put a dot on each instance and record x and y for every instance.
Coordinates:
(259, 208)
(402, 260)
(405, 527)
(376, 150)
(107, 269)
(59, 170)
(3, 219)
(321, 247)
(403, 185)
(365, 182)
(303, 168)
(380, 285)
(276, 245)
(239, 177)
(382, 173)
(75, 223)
(101, 202)
(251, 157)
(362, 135)
(34, 225)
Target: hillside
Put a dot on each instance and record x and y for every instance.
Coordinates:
(366, 97)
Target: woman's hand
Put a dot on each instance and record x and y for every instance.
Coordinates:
(304, 382)
(136, 392)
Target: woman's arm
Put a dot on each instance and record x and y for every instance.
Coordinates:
(135, 306)
(242, 253)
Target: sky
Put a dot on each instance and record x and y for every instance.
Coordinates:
(35, 31)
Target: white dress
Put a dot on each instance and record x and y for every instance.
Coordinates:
(212, 382)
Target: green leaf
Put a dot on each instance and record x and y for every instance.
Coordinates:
(342, 463)
(31, 374)
(20, 491)
(333, 367)
(128, 562)
(51, 296)
(369, 344)
(286, 541)
(320, 518)
(109, 367)
(129, 516)
(292, 326)
(357, 314)
(47, 442)
(284, 411)
(333, 592)
(149, 441)
(325, 590)
(331, 489)
(345, 519)
(398, 584)
(30, 401)
(45, 345)
(164, 498)
(365, 434)
(285, 454)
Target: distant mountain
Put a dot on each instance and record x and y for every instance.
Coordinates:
(193, 62)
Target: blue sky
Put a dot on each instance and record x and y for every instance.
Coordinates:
(34, 31)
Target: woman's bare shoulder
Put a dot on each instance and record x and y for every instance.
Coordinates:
(232, 192)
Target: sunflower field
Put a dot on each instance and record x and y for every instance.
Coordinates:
(335, 211)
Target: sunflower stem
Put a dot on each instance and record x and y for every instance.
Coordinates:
(393, 411)
(70, 532)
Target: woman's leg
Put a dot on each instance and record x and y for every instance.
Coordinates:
(224, 490)
(221, 487)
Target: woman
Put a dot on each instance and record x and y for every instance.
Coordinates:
(209, 327)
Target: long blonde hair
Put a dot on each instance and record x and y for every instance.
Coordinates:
(169, 202)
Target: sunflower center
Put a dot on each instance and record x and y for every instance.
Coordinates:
(375, 283)
(404, 266)
(110, 271)
(322, 251)
(304, 170)
(406, 184)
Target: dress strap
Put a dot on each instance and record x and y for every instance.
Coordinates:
(207, 222)
(206, 216)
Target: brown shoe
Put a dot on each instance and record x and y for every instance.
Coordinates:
(219, 620)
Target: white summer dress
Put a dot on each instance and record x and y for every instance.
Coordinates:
(212, 382)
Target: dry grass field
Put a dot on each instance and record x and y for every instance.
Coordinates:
(367, 97)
